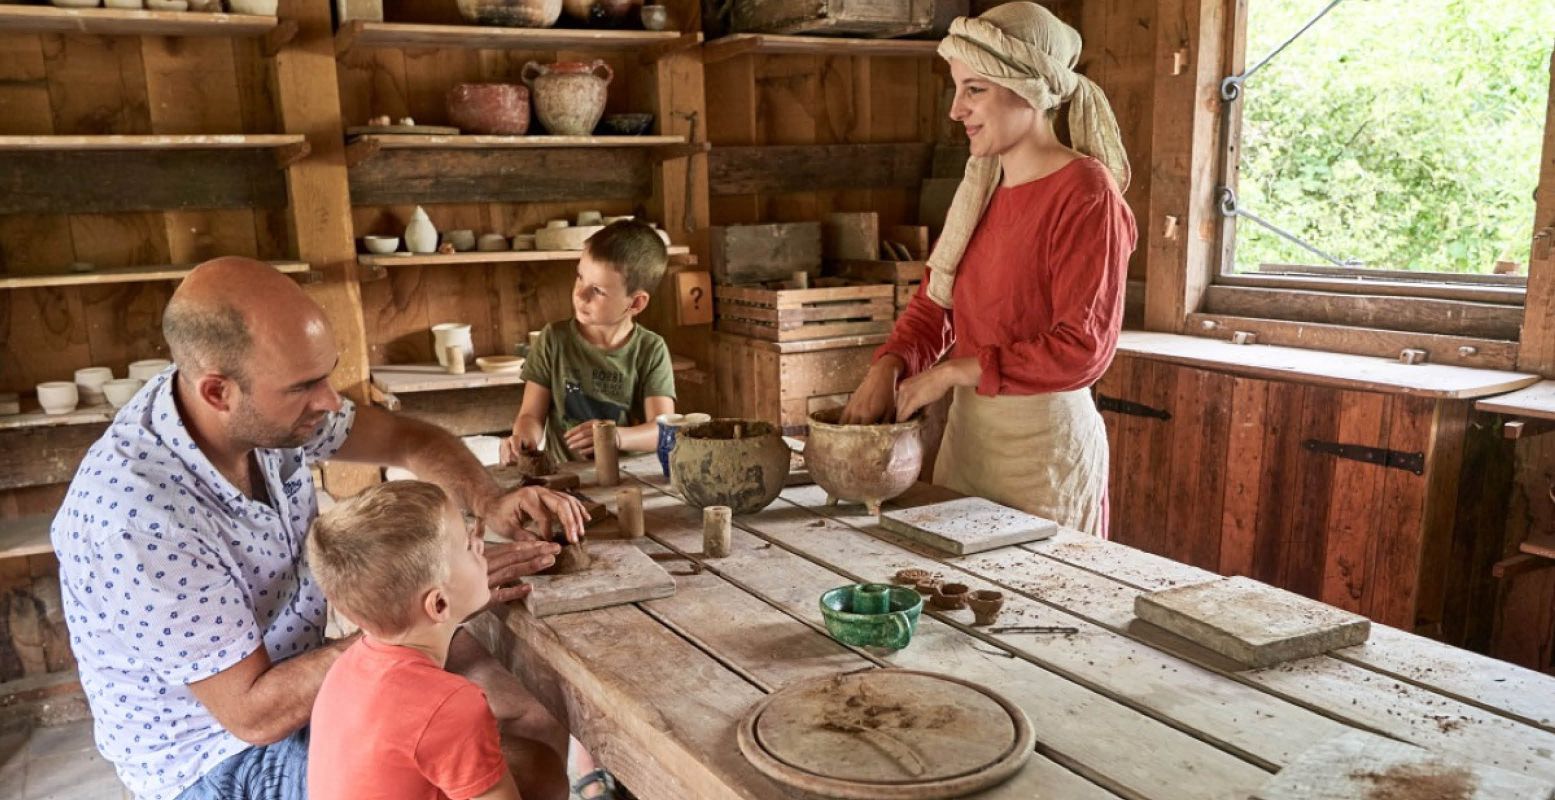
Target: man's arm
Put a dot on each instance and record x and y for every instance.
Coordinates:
(263, 703)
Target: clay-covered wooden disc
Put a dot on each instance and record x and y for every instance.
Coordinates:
(887, 734)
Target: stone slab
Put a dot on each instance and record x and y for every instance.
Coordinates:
(620, 573)
(1252, 623)
(1363, 765)
(967, 525)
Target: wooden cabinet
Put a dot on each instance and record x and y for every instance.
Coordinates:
(785, 382)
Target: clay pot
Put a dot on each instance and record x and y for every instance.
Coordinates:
(654, 18)
(911, 577)
(512, 13)
(613, 13)
(739, 463)
(985, 605)
(949, 596)
(866, 463)
(500, 109)
(569, 96)
(927, 586)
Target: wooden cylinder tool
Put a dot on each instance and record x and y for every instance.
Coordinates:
(607, 469)
(629, 509)
(716, 534)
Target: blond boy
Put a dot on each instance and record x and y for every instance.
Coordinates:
(389, 721)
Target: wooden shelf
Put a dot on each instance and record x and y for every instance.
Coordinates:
(489, 257)
(1541, 545)
(25, 536)
(359, 33)
(740, 44)
(26, 144)
(123, 275)
(117, 22)
(399, 379)
(406, 141)
(1535, 402)
(83, 415)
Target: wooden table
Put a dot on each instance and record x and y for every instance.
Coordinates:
(1120, 709)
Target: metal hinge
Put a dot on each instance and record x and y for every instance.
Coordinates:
(1397, 459)
(1105, 403)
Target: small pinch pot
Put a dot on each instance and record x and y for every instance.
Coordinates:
(985, 604)
(866, 463)
(712, 466)
(890, 630)
(512, 13)
(499, 109)
(950, 596)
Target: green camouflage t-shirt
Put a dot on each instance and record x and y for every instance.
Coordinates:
(587, 382)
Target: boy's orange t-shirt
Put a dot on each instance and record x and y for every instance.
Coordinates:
(390, 723)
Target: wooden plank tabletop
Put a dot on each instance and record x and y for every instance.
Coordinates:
(1534, 402)
(1121, 709)
(1339, 370)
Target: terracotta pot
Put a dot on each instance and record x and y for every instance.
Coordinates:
(866, 463)
(739, 463)
(512, 13)
(569, 96)
(492, 108)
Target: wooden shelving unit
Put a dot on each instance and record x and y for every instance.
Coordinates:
(25, 536)
(359, 33)
(124, 275)
(117, 22)
(83, 415)
(741, 44)
(489, 257)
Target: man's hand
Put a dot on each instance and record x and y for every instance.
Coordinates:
(507, 562)
(580, 439)
(538, 507)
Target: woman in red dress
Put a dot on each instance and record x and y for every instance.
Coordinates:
(1021, 310)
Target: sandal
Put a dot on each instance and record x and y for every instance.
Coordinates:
(601, 778)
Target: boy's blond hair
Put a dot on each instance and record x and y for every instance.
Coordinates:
(633, 249)
(375, 553)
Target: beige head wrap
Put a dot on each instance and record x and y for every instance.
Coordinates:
(1024, 48)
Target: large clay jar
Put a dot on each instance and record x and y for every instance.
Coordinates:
(512, 13)
(569, 96)
(493, 108)
(866, 463)
(739, 463)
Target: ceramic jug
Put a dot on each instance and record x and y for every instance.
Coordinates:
(420, 234)
(568, 96)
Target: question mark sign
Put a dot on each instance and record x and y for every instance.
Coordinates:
(696, 297)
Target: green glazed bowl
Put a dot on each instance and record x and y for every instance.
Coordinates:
(890, 630)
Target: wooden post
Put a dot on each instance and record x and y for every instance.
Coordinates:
(629, 509)
(607, 471)
(717, 536)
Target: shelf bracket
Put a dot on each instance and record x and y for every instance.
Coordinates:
(279, 36)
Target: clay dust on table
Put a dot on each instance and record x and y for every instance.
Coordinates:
(1417, 782)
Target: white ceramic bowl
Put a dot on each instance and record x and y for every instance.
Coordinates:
(58, 397)
(148, 369)
(125, 4)
(120, 391)
(89, 384)
(565, 238)
(382, 245)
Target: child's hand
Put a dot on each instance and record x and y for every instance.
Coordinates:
(580, 440)
(507, 562)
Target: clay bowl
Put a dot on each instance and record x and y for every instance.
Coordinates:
(500, 109)
(739, 463)
(887, 631)
(572, 237)
(950, 596)
(625, 124)
(866, 463)
(985, 604)
(512, 13)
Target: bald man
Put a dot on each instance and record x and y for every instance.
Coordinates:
(199, 635)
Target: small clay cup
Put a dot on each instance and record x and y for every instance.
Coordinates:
(950, 596)
(985, 605)
(927, 586)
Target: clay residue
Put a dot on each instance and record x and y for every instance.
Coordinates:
(1417, 782)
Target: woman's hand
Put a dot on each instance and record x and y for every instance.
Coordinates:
(926, 387)
(875, 398)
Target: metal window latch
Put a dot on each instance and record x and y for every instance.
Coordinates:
(1396, 459)
(1105, 403)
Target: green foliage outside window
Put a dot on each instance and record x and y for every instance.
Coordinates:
(1403, 135)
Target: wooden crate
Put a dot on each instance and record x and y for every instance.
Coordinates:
(787, 315)
(904, 277)
(881, 18)
(755, 253)
(785, 382)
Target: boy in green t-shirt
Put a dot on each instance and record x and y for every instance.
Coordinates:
(600, 365)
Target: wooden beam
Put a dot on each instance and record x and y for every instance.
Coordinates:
(1425, 315)
(1538, 351)
(105, 182)
(1455, 350)
(43, 456)
(777, 169)
(1185, 150)
(501, 176)
(123, 22)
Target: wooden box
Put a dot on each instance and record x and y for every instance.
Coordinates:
(904, 277)
(880, 18)
(755, 253)
(787, 315)
(786, 382)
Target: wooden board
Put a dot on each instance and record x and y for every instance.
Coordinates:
(430, 140)
(883, 18)
(810, 168)
(967, 525)
(739, 44)
(886, 734)
(756, 253)
(1252, 623)
(482, 257)
(126, 22)
(25, 536)
(1533, 402)
(361, 33)
(122, 275)
(409, 378)
(851, 235)
(785, 315)
(501, 175)
(1327, 369)
(620, 573)
(1362, 765)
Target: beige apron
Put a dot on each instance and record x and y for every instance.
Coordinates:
(1045, 454)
